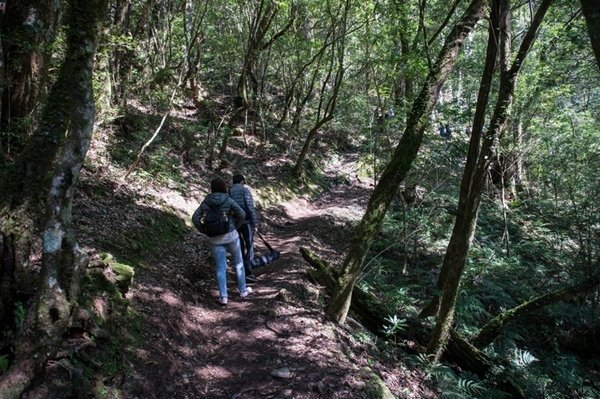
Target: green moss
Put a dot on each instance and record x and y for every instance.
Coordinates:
(124, 275)
(115, 284)
(95, 281)
(376, 388)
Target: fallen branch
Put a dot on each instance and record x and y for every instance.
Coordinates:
(158, 129)
(492, 329)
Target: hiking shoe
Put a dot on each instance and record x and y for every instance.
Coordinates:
(245, 293)
(250, 278)
(223, 300)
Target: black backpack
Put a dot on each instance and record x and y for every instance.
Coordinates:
(214, 221)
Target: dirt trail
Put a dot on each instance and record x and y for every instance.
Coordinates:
(275, 343)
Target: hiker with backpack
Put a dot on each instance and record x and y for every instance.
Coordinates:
(242, 196)
(218, 217)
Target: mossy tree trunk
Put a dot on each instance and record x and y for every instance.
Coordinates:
(372, 314)
(464, 226)
(493, 328)
(59, 148)
(27, 28)
(478, 162)
(401, 161)
(591, 12)
(122, 56)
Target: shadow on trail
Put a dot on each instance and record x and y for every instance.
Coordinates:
(199, 349)
(188, 346)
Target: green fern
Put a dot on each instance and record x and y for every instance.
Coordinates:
(522, 358)
(588, 392)
(470, 387)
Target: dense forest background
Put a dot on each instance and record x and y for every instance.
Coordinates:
(475, 125)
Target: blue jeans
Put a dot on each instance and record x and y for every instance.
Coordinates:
(219, 252)
(247, 243)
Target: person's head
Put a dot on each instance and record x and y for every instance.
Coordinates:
(218, 185)
(239, 179)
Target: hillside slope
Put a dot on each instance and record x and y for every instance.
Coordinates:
(274, 344)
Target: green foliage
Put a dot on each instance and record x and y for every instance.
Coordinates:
(4, 363)
(522, 358)
(549, 237)
(19, 313)
(394, 325)
(457, 386)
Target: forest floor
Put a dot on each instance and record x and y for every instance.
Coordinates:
(277, 342)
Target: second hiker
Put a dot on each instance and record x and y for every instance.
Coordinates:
(242, 196)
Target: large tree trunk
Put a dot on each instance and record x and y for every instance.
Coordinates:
(493, 328)
(401, 161)
(470, 187)
(24, 186)
(478, 162)
(27, 29)
(68, 118)
(591, 12)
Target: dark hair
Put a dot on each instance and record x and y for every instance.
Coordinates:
(218, 185)
(238, 178)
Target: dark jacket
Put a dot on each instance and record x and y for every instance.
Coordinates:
(227, 205)
(242, 196)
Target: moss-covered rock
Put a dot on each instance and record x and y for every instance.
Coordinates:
(377, 389)
(119, 274)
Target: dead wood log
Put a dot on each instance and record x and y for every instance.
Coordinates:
(371, 313)
(492, 329)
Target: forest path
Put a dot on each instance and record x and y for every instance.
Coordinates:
(274, 344)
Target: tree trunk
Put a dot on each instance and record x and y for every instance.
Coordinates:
(372, 315)
(27, 29)
(327, 105)
(121, 59)
(294, 92)
(464, 226)
(493, 328)
(262, 20)
(405, 153)
(519, 182)
(299, 166)
(591, 12)
(478, 162)
(68, 117)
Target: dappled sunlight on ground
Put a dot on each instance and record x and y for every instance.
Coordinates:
(274, 344)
